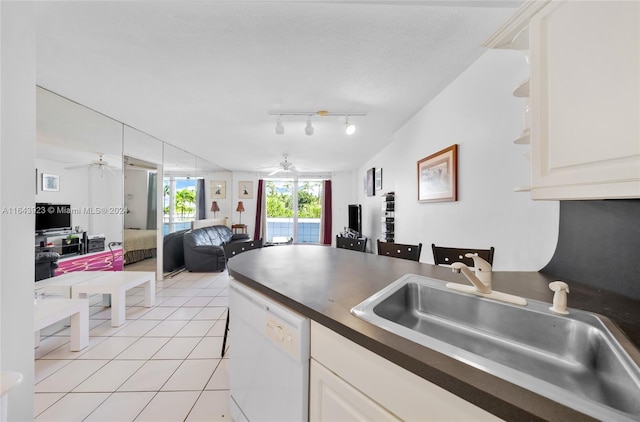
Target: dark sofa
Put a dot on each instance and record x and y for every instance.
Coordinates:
(203, 248)
(173, 251)
(46, 264)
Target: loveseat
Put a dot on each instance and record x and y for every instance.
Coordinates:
(203, 248)
(46, 264)
(173, 251)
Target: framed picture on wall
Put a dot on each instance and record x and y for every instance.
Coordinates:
(218, 189)
(379, 179)
(438, 176)
(371, 188)
(50, 182)
(245, 190)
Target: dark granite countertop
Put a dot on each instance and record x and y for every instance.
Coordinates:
(324, 283)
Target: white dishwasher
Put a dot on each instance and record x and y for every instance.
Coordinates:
(269, 359)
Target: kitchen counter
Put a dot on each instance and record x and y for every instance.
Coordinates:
(324, 283)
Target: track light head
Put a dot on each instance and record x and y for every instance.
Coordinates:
(279, 127)
(308, 129)
(350, 128)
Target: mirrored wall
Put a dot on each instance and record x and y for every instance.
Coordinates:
(127, 190)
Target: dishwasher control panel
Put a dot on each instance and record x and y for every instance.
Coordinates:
(282, 334)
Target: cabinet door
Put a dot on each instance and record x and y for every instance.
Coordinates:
(585, 93)
(332, 399)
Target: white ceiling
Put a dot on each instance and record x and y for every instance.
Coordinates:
(204, 75)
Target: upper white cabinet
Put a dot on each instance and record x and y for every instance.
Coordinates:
(584, 96)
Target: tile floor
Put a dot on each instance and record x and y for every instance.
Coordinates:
(163, 364)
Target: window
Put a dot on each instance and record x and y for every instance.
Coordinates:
(294, 209)
(179, 203)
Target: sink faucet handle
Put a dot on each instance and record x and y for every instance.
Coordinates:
(559, 297)
(478, 263)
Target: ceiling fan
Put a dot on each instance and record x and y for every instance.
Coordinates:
(285, 166)
(100, 164)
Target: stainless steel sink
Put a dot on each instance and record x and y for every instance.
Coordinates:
(574, 359)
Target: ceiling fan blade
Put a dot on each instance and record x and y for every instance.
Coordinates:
(274, 172)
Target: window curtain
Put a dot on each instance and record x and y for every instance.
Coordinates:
(201, 206)
(261, 213)
(152, 203)
(325, 221)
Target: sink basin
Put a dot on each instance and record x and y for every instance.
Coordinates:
(573, 359)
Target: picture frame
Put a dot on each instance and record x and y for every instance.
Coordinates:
(245, 190)
(218, 189)
(378, 179)
(438, 176)
(50, 182)
(371, 188)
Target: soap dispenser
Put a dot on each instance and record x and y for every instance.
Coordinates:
(559, 297)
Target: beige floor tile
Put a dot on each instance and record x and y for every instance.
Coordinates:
(177, 348)
(185, 314)
(121, 407)
(212, 312)
(169, 406)
(42, 401)
(208, 347)
(109, 348)
(72, 407)
(151, 376)
(144, 348)
(220, 378)
(199, 301)
(109, 377)
(212, 406)
(45, 367)
(192, 375)
(196, 328)
(159, 312)
(166, 329)
(136, 328)
(69, 376)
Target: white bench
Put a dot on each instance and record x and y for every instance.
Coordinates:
(116, 285)
(49, 311)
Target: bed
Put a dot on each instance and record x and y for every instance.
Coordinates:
(139, 245)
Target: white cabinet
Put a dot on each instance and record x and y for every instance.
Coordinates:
(349, 382)
(585, 94)
(333, 399)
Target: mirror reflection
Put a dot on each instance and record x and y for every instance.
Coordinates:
(119, 197)
(79, 212)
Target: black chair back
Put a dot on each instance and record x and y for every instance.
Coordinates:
(234, 248)
(400, 250)
(447, 256)
(353, 244)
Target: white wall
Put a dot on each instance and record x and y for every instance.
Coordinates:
(345, 187)
(477, 112)
(17, 152)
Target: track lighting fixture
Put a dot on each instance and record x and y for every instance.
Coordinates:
(308, 129)
(350, 128)
(279, 127)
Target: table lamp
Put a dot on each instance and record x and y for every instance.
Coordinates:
(240, 209)
(215, 208)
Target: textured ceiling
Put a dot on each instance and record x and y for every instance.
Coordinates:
(204, 75)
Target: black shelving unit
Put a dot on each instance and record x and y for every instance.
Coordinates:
(388, 216)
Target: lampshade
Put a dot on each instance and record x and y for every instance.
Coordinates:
(279, 127)
(214, 206)
(309, 128)
(240, 207)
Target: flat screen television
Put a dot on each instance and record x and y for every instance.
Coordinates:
(52, 217)
(355, 218)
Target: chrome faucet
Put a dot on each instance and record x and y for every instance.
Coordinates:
(482, 277)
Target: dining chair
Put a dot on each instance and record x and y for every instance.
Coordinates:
(351, 243)
(230, 250)
(400, 250)
(446, 255)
